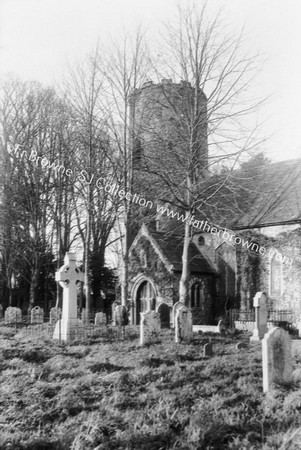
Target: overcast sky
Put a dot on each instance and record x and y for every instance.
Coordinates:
(37, 37)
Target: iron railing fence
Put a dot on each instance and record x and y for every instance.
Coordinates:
(274, 315)
(89, 330)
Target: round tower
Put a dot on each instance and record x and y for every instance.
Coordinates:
(169, 117)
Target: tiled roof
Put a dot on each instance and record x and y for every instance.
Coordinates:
(172, 247)
(253, 198)
(275, 192)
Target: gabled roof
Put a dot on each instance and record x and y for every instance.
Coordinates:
(256, 197)
(170, 246)
(276, 196)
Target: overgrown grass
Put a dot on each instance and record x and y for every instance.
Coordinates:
(116, 395)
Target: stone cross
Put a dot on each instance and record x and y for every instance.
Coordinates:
(68, 275)
(69, 327)
(261, 316)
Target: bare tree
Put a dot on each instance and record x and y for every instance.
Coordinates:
(85, 89)
(127, 66)
(203, 100)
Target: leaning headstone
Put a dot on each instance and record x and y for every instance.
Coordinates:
(183, 325)
(208, 351)
(149, 327)
(164, 312)
(120, 315)
(13, 315)
(55, 315)
(277, 362)
(175, 308)
(36, 315)
(100, 319)
(261, 316)
(69, 327)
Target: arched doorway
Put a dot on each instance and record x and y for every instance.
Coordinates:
(145, 299)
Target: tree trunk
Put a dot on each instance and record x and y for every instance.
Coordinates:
(125, 261)
(184, 280)
(33, 287)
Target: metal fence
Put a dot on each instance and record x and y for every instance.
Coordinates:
(277, 316)
(87, 330)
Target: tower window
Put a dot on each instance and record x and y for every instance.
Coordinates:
(201, 241)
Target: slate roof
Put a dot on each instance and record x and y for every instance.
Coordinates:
(276, 196)
(172, 247)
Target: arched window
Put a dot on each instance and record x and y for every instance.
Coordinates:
(197, 295)
(276, 276)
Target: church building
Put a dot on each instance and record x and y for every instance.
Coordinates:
(257, 249)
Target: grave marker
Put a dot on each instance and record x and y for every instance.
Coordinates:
(208, 350)
(36, 315)
(120, 316)
(100, 319)
(183, 325)
(69, 327)
(55, 315)
(277, 363)
(149, 327)
(13, 315)
(261, 316)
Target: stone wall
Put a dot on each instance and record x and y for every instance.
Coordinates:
(254, 271)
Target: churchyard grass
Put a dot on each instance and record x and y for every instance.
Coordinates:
(114, 394)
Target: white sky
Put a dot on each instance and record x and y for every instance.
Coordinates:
(37, 37)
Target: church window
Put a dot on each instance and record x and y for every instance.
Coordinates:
(196, 295)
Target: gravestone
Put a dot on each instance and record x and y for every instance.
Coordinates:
(1, 312)
(36, 315)
(164, 313)
(69, 327)
(114, 304)
(100, 319)
(183, 325)
(13, 315)
(175, 307)
(261, 316)
(208, 350)
(277, 362)
(120, 316)
(221, 326)
(55, 315)
(149, 327)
